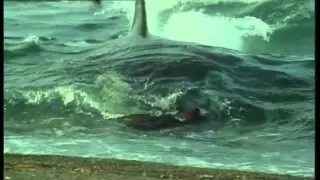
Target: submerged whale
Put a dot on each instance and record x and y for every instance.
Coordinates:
(139, 31)
(189, 116)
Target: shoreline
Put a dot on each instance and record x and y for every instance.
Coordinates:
(50, 167)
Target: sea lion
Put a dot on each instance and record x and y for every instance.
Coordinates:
(148, 122)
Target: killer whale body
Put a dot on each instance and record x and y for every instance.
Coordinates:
(148, 122)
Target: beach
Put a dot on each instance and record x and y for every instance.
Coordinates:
(45, 167)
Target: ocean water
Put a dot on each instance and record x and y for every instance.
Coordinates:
(68, 70)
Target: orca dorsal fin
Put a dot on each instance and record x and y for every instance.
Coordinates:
(140, 25)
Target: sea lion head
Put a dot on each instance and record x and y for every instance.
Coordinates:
(193, 115)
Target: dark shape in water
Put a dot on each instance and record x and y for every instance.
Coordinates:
(150, 122)
(97, 1)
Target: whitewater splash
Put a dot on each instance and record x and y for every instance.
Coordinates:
(66, 100)
(196, 26)
(193, 21)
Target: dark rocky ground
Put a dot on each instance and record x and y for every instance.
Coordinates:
(50, 167)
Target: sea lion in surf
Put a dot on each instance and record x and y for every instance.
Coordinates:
(148, 122)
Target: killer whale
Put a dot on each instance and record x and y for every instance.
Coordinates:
(148, 122)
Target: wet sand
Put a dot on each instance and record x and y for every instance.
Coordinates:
(51, 167)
